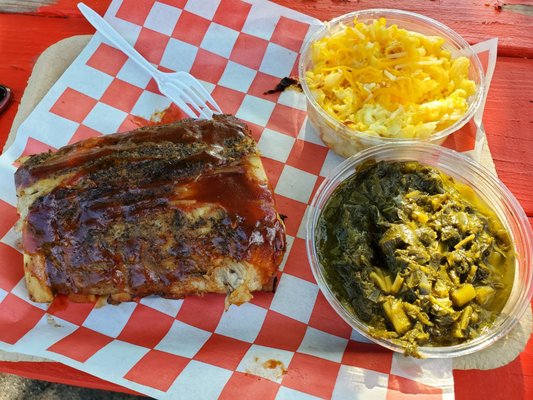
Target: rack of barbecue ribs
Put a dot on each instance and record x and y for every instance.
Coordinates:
(170, 210)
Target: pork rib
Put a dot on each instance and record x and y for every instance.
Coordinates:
(172, 210)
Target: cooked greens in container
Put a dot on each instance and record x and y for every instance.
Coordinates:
(421, 249)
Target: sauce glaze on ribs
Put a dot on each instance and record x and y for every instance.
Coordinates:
(170, 210)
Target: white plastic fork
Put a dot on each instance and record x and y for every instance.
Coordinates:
(180, 87)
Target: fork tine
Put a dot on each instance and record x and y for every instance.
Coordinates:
(183, 106)
(200, 90)
(191, 98)
(194, 105)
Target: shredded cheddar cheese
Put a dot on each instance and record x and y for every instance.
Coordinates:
(388, 81)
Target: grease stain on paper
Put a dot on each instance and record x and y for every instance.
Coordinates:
(269, 369)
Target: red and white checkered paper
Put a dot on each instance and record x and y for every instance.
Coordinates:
(191, 348)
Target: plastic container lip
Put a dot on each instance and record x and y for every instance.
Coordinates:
(515, 221)
(447, 33)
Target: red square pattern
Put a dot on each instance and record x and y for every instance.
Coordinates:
(261, 84)
(368, 356)
(81, 344)
(312, 375)
(319, 180)
(232, 13)
(33, 146)
(146, 327)
(290, 339)
(222, 351)
(307, 156)
(405, 389)
(63, 105)
(107, 59)
(289, 121)
(17, 317)
(170, 114)
(290, 33)
(249, 387)
(135, 11)
(11, 271)
(202, 312)
(70, 311)
(273, 170)
(326, 319)
(249, 51)
(152, 85)
(294, 210)
(157, 369)
(151, 45)
(464, 139)
(83, 132)
(294, 71)
(132, 122)
(190, 28)
(229, 100)
(263, 299)
(297, 263)
(9, 217)
(121, 95)
(208, 66)
(174, 3)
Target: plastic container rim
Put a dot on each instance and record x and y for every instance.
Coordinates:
(446, 31)
(496, 186)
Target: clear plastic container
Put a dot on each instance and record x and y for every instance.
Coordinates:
(346, 141)
(489, 188)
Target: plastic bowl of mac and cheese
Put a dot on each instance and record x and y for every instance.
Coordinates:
(388, 76)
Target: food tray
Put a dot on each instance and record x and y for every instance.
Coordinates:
(321, 355)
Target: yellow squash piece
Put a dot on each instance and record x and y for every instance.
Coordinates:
(463, 295)
(396, 315)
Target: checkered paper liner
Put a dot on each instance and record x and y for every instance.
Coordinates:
(191, 348)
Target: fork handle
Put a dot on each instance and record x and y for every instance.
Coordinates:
(114, 37)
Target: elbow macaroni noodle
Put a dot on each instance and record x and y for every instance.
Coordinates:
(389, 82)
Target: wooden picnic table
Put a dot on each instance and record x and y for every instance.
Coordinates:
(27, 29)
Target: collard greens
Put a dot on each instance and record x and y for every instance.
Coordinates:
(415, 255)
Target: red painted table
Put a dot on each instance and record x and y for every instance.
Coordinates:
(508, 121)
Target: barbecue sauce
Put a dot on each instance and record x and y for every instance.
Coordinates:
(120, 218)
